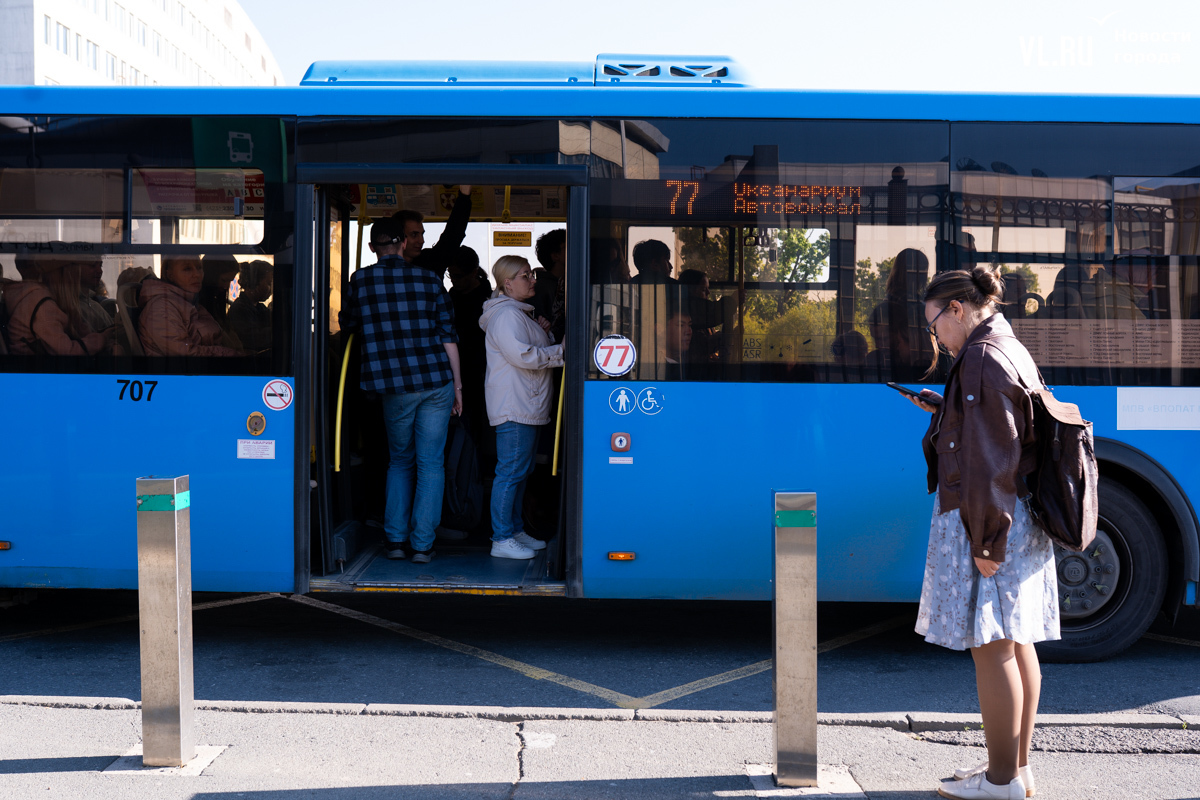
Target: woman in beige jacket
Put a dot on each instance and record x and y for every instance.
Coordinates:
(520, 355)
(171, 322)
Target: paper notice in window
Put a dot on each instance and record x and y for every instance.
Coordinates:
(256, 448)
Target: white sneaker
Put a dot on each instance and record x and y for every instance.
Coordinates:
(530, 542)
(1025, 773)
(511, 548)
(978, 787)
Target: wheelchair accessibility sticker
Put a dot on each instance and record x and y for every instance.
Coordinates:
(623, 401)
(649, 401)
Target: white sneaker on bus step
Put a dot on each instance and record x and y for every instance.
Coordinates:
(978, 787)
(511, 548)
(1026, 774)
(530, 542)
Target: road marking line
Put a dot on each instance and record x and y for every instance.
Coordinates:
(131, 618)
(863, 633)
(658, 698)
(528, 670)
(1171, 639)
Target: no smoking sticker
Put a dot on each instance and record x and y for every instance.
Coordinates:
(614, 355)
(277, 395)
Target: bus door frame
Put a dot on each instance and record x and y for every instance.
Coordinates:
(310, 224)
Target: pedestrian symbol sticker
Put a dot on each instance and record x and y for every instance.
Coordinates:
(649, 401)
(621, 400)
(277, 395)
(614, 356)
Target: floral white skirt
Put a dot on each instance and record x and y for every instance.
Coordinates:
(961, 609)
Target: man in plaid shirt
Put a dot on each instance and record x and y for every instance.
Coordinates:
(409, 357)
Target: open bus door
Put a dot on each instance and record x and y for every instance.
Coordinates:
(349, 466)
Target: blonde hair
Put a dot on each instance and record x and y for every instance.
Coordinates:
(61, 278)
(506, 268)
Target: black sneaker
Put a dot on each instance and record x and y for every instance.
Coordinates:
(423, 556)
(394, 550)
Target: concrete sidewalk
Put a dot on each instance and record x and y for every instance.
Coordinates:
(61, 747)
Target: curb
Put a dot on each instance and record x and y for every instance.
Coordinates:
(916, 722)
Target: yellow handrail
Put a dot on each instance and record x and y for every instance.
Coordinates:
(558, 424)
(337, 429)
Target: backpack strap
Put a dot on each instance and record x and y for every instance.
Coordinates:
(34, 343)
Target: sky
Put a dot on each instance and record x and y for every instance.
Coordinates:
(1057, 46)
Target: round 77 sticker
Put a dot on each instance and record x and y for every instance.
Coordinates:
(614, 355)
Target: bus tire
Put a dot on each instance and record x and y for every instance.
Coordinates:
(1131, 555)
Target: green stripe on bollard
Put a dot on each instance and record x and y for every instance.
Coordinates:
(795, 519)
(164, 502)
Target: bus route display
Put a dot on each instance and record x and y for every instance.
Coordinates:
(719, 200)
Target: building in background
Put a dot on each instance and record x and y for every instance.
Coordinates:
(132, 43)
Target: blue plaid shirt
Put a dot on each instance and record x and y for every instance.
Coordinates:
(405, 318)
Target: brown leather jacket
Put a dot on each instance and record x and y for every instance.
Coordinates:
(980, 442)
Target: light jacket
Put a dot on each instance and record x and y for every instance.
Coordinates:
(172, 324)
(49, 330)
(980, 442)
(519, 358)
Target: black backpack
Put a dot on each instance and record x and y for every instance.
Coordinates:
(1066, 481)
(462, 499)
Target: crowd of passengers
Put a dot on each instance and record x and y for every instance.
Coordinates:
(60, 306)
(484, 354)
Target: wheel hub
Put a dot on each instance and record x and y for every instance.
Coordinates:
(1087, 580)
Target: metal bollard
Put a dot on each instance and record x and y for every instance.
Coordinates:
(796, 638)
(165, 620)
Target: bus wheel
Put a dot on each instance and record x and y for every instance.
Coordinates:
(1109, 594)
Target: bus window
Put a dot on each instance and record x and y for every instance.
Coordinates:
(776, 243)
(1099, 254)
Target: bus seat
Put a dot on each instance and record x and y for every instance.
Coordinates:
(127, 311)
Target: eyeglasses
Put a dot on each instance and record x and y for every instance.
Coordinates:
(525, 275)
(929, 327)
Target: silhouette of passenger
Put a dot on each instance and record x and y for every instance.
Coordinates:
(849, 349)
(551, 252)
(249, 318)
(469, 290)
(674, 340)
(442, 255)
(96, 309)
(172, 322)
(706, 317)
(607, 263)
(653, 261)
(901, 343)
(219, 272)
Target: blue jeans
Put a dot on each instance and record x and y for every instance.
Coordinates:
(416, 425)
(516, 445)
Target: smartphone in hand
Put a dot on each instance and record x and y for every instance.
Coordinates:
(904, 390)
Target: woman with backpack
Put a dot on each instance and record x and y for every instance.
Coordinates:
(990, 582)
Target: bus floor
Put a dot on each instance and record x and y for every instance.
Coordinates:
(456, 569)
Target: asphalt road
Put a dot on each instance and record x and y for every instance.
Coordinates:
(551, 652)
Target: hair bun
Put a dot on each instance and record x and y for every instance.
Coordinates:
(989, 282)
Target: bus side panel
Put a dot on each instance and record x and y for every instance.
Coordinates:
(74, 448)
(696, 503)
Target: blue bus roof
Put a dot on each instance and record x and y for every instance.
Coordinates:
(582, 100)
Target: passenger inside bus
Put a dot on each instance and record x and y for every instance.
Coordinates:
(469, 290)
(653, 261)
(675, 339)
(249, 318)
(44, 314)
(93, 303)
(706, 318)
(171, 321)
(439, 257)
(219, 272)
(549, 299)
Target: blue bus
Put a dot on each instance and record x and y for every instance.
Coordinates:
(743, 273)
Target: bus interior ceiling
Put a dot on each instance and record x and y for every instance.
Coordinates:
(348, 532)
